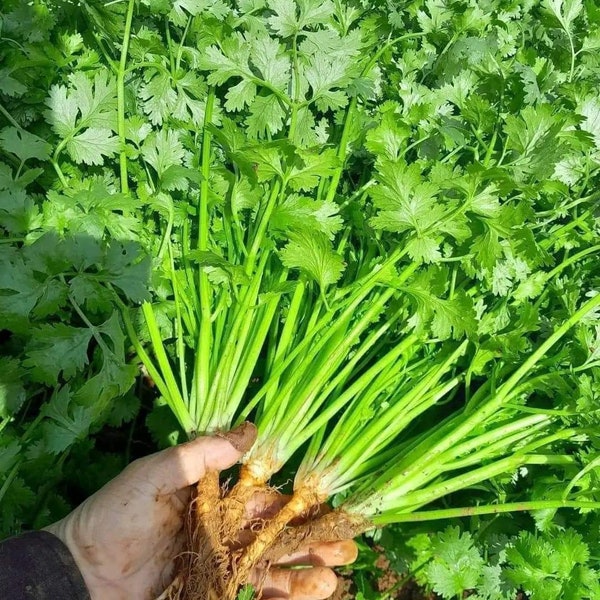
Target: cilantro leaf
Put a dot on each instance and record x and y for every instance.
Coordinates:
(23, 144)
(300, 212)
(290, 18)
(457, 565)
(312, 253)
(84, 115)
(55, 350)
(65, 422)
(91, 146)
(266, 117)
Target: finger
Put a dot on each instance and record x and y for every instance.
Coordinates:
(324, 554)
(317, 583)
(265, 504)
(184, 465)
(313, 513)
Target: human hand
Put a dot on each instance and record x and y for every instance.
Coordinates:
(126, 536)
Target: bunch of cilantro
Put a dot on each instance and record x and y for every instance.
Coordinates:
(465, 133)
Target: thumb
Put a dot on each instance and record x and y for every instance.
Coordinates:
(184, 465)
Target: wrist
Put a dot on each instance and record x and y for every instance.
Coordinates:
(97, 589)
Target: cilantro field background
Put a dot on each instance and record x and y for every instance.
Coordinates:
(465, 133)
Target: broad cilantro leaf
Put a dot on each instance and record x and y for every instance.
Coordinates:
(310, 168)
(533, 136)
(405, 200)
(265, 160)
(158, 97)
(9, 85)
(91, 146)
(19, 212)
(551, 568)
(457, 565)
(240, 95)
(566, 11)
(268, 57)
(266, 117)
(300, 212)
(219, 270)
(446, 318)
(56, 350)
(389, 137)
(244, 196)
(231, 61)
(85, 116)
(23, 144)
(183, 9)
(128, 268)
(325, 75)
(9, 455)
(20, 290)
(163, 149)
(246, 593)
(93, 211)
(312, 253)
(408, 203)
(116, 376)
(590, 110)
(293, 17)
(66, 422)
(424, 249)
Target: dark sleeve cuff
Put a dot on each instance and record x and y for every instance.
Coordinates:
(38, 566)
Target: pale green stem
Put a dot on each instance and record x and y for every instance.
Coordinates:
(179, 328)
(389, 517)
(484, 412)
(203, 348)
(174, 397)
(121, 97)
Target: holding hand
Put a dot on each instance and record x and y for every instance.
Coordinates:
(126, 536)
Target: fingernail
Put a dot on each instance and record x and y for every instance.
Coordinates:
(242, 437)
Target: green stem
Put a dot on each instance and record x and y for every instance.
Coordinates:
(153, 372)
(589, 467)
(8, 481)
(286, 336)
(181, 43)
(203, 350)
(174, 397)
(87, 322)
(342, 150)
(178, 327)
(121, 97)
(9, 118)
(573, 55)
(262, 227)
(235, 337)
(295, 89)
(59, 172)
(469, 424)
(468, 511)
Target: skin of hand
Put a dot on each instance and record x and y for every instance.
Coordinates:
(125, 537)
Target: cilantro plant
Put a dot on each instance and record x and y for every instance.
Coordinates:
(542, 565)
(369, 228)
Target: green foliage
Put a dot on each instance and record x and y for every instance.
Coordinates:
(270, 199)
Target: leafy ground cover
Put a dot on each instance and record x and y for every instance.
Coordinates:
(195, 192)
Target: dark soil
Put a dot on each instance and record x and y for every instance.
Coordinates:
(387, 581)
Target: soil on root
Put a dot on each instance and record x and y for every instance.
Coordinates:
(216, 564)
